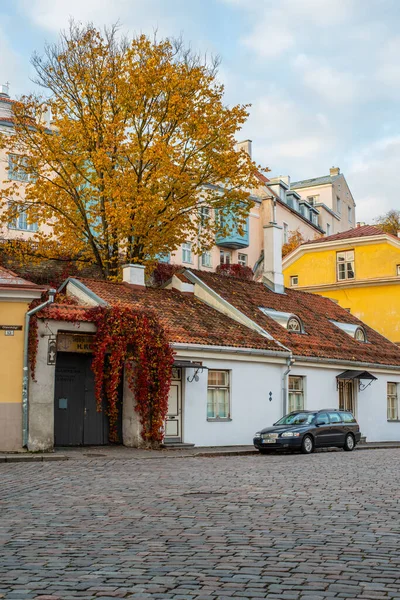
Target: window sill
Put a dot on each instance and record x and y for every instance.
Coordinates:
(218, 420)
(393, 420)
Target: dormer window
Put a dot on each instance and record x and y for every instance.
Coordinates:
(289, 321)
(360, 335)
(357, 332)
(294, 324)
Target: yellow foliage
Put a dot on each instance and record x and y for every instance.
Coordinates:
(139, 141)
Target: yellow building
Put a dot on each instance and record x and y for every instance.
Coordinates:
(15, 296)
(359, 269)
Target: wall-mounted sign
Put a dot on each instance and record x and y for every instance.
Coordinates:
(10, 327)
(74, 342)
(9, 332)
(52, 351)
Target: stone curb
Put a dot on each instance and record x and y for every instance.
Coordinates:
(17, 458)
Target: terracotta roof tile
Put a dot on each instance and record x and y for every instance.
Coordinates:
(357, 232)
(322, 339)
(11, 279)
(185, 318)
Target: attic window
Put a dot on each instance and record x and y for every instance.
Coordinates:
(360, 335)
(355, 331)
(287, 320)
(294, 324)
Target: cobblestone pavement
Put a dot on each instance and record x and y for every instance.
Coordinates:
(280, 527)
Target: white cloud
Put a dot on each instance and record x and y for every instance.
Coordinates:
(269, 38)
(388, 70)
(13, 67)
(136, 15)
(373, 172)
(333, 86)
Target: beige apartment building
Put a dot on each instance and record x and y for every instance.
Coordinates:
(331, 195)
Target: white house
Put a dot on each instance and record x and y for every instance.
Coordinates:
(246, 353)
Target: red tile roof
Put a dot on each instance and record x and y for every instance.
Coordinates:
(357, 232)
(185, 318)
(322, 339)
(10, 279)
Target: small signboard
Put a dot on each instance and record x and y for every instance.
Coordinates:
(10, 327)
(73, 342)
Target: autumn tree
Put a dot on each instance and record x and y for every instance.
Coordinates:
(390, 222)
(295, 239)
(139, 140)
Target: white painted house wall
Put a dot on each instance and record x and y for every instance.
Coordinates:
(250, 383)
(251, 409)
(371, 403)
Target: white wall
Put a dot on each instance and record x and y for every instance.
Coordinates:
(371, 403)
(251, 409)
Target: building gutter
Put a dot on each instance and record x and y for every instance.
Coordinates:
(232, 350)
(353, 363)
(290, 362)
(25, 371)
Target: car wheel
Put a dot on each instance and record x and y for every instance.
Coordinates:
(349, 443)
(307, 445)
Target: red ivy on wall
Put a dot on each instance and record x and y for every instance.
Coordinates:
(235, 270)
(130, 338)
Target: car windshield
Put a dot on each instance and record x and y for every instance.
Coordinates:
(296, 419)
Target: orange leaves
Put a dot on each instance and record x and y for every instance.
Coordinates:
(139, 132)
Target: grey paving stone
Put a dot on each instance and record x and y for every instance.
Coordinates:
(278, 527)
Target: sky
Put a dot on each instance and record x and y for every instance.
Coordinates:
(322, 76)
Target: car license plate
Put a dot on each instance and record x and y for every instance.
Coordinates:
(268, 441)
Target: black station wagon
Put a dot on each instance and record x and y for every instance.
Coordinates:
(306, 430)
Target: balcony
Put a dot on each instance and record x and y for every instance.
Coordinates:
(231, 238)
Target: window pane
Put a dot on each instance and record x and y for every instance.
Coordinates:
(219, 378)
(210, 404)
(335, 418)
(222, 397)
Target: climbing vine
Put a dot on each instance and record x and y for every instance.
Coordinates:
(127, 338)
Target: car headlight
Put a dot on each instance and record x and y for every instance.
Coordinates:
(289, 434)
(258, 434)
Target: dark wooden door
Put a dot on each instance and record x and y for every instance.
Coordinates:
(77, 422)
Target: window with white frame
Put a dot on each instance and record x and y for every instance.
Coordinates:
(17, 168)
(328, 229)
(345, 265)
(285, 233)
(225, 257)
(21, 222)
(204, 216)
(294, 280)
(187, 252)
(350, 214)
(218, 395)
(242, 259)
(392, 402)
(206, 259)
(398, 269)
(296, 393)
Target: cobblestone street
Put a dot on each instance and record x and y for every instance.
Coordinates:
(280, 526)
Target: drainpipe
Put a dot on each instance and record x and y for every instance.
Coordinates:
(290, 362)
(25, 372)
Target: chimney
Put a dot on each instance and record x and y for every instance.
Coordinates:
(272, 275)
(134, 275)
(245, 145)
(4, 89)
(334, 171)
